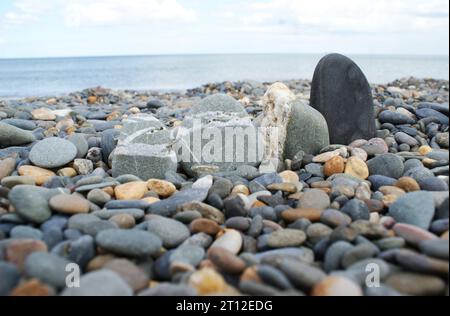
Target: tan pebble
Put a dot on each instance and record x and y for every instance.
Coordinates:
(231, 240)
(289, 176)
(39, 175)
(99, 261)
(322, 158)
(92, 99)
(391, 190)
(163, 188)
(258, 204)
(321, 184)
(336, 286)
(333, 166)
(124, 221)
(360, 153)
(251, 274)
(67, 172)
(203, 225)
(296, 196)
(407, 184)
(32, 287)
(296, 214)
(424, 150)
(7, 167)
(374, 218)
(131, 191)
(151, 199)
(240, 189)
(445, 235)
(357, 168)
(18, 250)
(43, 114)
(389, 199)
(284, 187)
(429, 163)
(69, 204)
(113, 116)
(134, 110)
(207, 282)
(109, 191)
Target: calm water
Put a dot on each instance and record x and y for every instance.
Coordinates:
(45, 77)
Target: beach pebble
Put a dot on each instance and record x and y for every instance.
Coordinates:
(69, 204)
(171, 232)
(133, 243)
(52, 152)
(415, 208)
(100, 283)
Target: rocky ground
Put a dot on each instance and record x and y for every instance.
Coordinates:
(311, 229)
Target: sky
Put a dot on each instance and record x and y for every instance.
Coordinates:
(61, 28)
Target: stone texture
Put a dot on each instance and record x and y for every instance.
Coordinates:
(340, 92)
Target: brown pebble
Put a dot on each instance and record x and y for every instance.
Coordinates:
(207, 282)
(124, 221)
(407, 184)
(69, 204)
(226, 261)
(130, 273)
(163, 188)
(412, 234)
(336, 286)
(39, 175)
(99, 261)
(203, 225)
(18, 251)
(295, 214)
(131, 191)
(333, 166)
(33, 287)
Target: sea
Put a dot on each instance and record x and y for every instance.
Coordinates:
(59, 76)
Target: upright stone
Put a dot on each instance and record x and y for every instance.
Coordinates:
(143, 149)
(289, 126)
(341, 92)
(217, 132)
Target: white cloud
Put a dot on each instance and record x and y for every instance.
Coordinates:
(26, 11)
(348, 16)
(106, 12)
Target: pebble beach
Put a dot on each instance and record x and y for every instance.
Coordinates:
(73, 190)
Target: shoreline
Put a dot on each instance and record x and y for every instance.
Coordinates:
(401, 82)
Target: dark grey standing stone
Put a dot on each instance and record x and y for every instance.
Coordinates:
(48, 268)
(341, 92)
(9, 278)
(416, 208)
(388, 165)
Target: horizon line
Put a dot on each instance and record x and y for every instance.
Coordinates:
(222, 54)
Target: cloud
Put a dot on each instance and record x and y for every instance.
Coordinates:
(347, 16)
(26, 11)
(107, 12)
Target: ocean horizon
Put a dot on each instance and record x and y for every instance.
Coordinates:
(23, 77)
